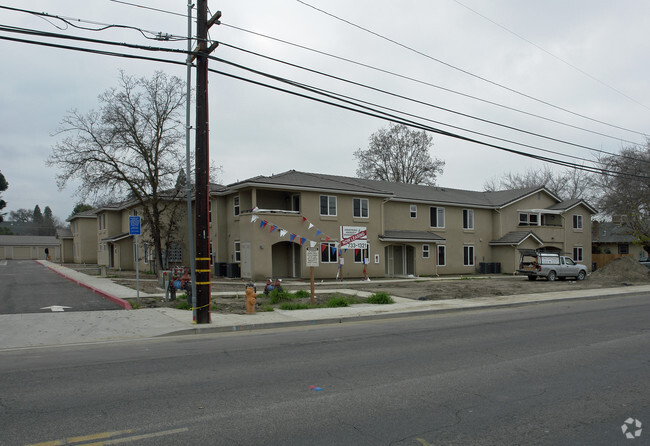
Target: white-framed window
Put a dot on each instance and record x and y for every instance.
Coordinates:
(413, 209)
(237, 250)
(577, 221)
(437, 217)
(468, 219)
(361, 255)
(623, 248)
(175, 253)
(328, 253)
(235, 205)
(442, 255)
(425, 251)
(578, 254)
(468, 255)
(209, 211)
(328, 205)
(360, 207)
(526, 219)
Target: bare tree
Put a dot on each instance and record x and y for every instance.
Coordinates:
(565, 184)
(627, 192)
(400, 155)
(129, 148)
(3, 187)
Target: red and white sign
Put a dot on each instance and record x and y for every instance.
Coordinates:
(354, 237)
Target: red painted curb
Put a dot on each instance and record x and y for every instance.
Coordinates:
(121, 302)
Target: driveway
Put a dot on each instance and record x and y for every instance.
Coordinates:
(28, 287)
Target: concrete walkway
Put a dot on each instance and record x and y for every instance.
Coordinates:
(61, 328)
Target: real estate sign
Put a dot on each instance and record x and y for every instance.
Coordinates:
(354, 237)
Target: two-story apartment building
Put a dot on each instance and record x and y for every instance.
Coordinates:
(84, 237)
(265, 224)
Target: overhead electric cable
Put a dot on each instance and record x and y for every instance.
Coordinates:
(512, 90)
(421, 102)
(552, 55)
(373, 113)
(429, 84)
(150, 8)
(104, 26)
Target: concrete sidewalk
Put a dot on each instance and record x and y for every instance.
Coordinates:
(49, 329)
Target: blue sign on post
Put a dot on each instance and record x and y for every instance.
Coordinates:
(134, 225)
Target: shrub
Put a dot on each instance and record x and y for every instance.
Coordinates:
(380, 298)
(182, 305)
(338, 302)
(300, 294)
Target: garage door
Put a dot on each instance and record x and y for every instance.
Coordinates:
(22, 252)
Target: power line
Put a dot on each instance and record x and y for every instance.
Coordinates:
(368, 111)
(420, 102)
(552, 55)
(512, 90)
(429, 84)
(104, 26)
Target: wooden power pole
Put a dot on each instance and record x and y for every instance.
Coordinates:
(202, 172)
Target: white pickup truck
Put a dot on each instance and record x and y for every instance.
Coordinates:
(550, 266)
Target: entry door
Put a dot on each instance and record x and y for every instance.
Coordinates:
(245, 256)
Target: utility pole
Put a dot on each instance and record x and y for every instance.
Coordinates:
(202, 173)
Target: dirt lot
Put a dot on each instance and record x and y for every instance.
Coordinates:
(621, 272)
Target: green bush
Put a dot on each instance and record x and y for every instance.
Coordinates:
(338, 302)
(380, 298)
(301, 294)
(182, 305)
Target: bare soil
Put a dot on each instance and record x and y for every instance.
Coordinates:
(621, 272)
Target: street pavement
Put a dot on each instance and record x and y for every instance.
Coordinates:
(65, 328)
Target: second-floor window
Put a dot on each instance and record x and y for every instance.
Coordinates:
(437, 217)
(360, 207)
(414, 210)
(235, 205)
(327, 205)
(526, 219)
(577, 222)
(468, 219)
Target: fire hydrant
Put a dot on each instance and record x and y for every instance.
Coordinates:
(250, 299)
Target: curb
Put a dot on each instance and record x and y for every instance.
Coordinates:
(342, 319)
(121, 302)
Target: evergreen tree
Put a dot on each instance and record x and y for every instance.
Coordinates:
(38, 220)
(3, 187)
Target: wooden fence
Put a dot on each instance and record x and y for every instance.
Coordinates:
(603, 259)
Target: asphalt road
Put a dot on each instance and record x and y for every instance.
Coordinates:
(28, 287)
(556, 373)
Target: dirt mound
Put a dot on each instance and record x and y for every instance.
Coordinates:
(624, 269)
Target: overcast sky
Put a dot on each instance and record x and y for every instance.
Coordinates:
(587, 57)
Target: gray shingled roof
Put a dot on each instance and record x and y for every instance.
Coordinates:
(515, 238)
(397, 191)
(569, 204)
(63, 233)
(613, 233)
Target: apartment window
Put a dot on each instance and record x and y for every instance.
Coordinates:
(468, 219)
(442, 255)
(425, 251)
(327, 205)
(210, 211)
(103, 221)
(468, 255)
(526, 219)
(237, 252)
(360, 207)
(235, 205)
(577, 254)
(175, 253)
(577, 222)
(414, 211)
(437, 217)
(360, 255)
(328, 253)
(624, 248)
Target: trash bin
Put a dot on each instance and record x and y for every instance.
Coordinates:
(221, 269)
(233, 271)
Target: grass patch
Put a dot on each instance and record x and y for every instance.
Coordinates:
(183, 305)
(265, 308)
(300, 294)
(294, 306)
(380, 298)
(135, 305)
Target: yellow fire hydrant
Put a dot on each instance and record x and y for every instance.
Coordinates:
(250, 300)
